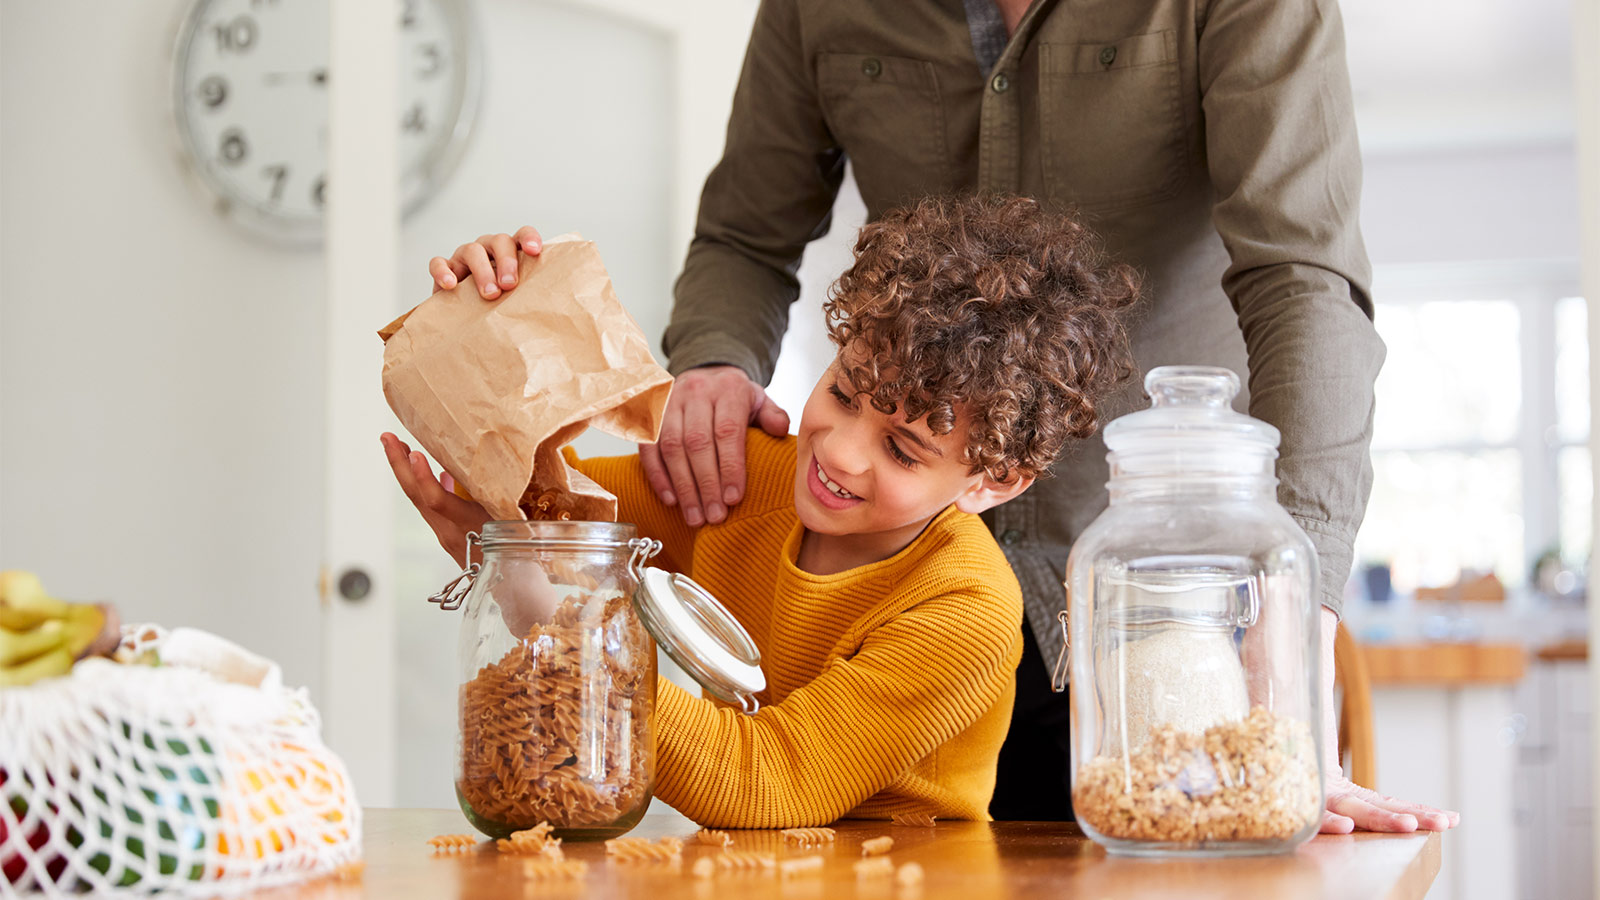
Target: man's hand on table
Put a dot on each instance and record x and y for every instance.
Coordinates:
(697, 463)
(1350, 807)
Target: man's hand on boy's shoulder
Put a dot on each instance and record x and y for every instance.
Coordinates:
(698, 461)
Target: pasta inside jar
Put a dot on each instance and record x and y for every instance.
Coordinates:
(559, 678)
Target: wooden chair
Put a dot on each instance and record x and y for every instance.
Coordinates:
(1355, 710)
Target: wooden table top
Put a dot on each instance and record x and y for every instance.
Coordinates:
(966, 860)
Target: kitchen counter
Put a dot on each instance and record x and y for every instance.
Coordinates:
(1445, 664)
(967, 860)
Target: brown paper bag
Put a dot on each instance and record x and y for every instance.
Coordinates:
(493, 389)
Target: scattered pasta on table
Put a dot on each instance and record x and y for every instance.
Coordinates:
(626, 849)
(877, 846)
(713, 837)
(809, 836)
(452, 843)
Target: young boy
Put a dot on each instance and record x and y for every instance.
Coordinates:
(974, 336)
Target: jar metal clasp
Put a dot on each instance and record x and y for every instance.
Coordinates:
(451, 595)
(1058, 677)
(643, 549)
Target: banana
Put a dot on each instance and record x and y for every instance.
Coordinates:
(20, 646)
(46, 665)
(41, 636)
(83, 624)
(23, 602)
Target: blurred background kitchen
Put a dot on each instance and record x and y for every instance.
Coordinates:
(195, 258)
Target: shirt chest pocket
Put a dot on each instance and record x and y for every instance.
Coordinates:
(1110, 121)
(885, 112)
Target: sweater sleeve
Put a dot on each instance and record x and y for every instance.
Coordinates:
(918, 680)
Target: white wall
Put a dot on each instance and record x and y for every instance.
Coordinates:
(1467, 205)
(160, 374)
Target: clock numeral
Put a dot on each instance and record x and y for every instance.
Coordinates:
(408, 13)
(432, 60)
(233, 148)
(319, 192)
(279, 174)
(212, 90)
(236, 36)
(414, 120)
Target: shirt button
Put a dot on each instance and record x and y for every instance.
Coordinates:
(1000, 83)
(1010, 537)
(871, 67)
(1108, 55)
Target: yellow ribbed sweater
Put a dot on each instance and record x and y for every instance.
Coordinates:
(889, 686)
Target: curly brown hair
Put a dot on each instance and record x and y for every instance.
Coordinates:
(991, 305)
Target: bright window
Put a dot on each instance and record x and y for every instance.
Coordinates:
(1480, 433)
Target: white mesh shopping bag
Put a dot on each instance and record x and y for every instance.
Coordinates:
(129, 779)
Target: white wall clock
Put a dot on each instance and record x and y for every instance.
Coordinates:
(249, 95)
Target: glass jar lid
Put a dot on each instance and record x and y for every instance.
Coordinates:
(701, 636)
(1191, 424)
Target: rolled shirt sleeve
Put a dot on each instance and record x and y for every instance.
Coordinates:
(770, 195)
(1286, 170)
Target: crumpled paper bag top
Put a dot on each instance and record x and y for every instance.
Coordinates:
(493, 389)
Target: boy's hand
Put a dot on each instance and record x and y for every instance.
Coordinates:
(450, 517)
(491, 260)
(697, 463)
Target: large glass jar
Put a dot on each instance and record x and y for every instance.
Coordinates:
(557, 657)
(1192, 637)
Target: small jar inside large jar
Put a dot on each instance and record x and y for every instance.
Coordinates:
(558, 683)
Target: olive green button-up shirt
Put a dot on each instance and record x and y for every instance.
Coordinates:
(1211, 143)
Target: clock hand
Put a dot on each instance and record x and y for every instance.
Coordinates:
(318, 77)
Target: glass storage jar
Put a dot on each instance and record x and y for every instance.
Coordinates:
(558, 673)
(1192, 637)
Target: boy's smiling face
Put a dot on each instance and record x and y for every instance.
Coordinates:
(876, 477)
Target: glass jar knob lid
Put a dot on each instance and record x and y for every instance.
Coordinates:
(701, 636)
